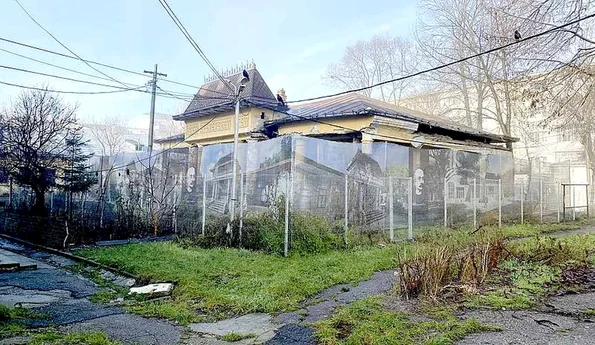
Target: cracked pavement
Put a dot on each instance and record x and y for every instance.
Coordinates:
(64, 297)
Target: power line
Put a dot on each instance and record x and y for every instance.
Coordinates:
(136, 88)
(52, 65)
(62, 77)
(160, 152)
(49, 51)
(196, 47)
(489, 51)
(67, 92)
(65, 47)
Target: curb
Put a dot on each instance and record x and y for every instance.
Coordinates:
(72, 257)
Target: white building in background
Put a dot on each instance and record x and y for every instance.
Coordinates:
(135, 134)
(556, 156)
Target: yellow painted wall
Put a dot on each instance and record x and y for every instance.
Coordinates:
(355, 123)
(220, 130)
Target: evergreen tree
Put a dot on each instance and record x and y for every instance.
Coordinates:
(76, 177)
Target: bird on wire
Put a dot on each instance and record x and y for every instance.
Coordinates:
(517, 35)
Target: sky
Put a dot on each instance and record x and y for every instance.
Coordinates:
(291, 43)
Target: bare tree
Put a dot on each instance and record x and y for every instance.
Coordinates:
(453, 29)
(108, 133)
(369, 62)
(34, 130)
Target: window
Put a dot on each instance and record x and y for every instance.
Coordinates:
(460, 193)
(534, 136)
(567, 135)
(491, 190)
(321, 201)
(451, 190)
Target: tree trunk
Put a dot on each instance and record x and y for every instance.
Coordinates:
(39, 206)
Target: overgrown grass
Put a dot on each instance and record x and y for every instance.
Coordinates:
(231, 281)
(367, 321)
(87, 338)
(527, 230)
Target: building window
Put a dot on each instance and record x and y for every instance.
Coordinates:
(567, 135)
(460, 193)
(491, 190)
(451, 190)
(534, 136)
(321, 201)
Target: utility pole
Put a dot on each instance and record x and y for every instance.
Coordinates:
(152, 114)
(150, 143)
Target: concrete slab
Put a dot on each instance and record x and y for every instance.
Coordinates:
(23, 261)
(12, 296)
(153, 290)
(260, 325)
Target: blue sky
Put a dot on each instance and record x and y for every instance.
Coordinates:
(291, 42)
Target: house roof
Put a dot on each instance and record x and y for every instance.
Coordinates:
(361, 157)
(357, 104)
(215, 97)
(177, 137)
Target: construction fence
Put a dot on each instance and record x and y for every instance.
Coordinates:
(389, 189)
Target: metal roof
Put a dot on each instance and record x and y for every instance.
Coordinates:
(357, 104)
(215, 97)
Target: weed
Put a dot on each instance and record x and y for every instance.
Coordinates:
(237, 336)
(88, 338)
(367, 321)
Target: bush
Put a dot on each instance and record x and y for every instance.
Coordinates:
(309, 233)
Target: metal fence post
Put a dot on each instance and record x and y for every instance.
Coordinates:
(522, 202)
(541, 201)
(286, 240)
(475, 203)
(445, 208)
(346, 225)
(410, 210)
(558, 203)
(391, 209)
(204, 203)
(500, 203)
(241, 204)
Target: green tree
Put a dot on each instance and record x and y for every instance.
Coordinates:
(76, 177)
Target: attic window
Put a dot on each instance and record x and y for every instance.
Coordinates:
(262, 115)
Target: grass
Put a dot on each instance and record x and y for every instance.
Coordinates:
(237, 336)
(527, 230)
(11, 320)
(367, 321)
(87, 338)
(220, 282)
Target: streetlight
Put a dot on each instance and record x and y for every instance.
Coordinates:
(237, 91)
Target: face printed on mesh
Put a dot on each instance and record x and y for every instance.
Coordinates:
(190, 179)
(418, 180)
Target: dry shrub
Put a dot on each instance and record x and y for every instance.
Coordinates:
(427, 271)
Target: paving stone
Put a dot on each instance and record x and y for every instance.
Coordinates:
(259, 324)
